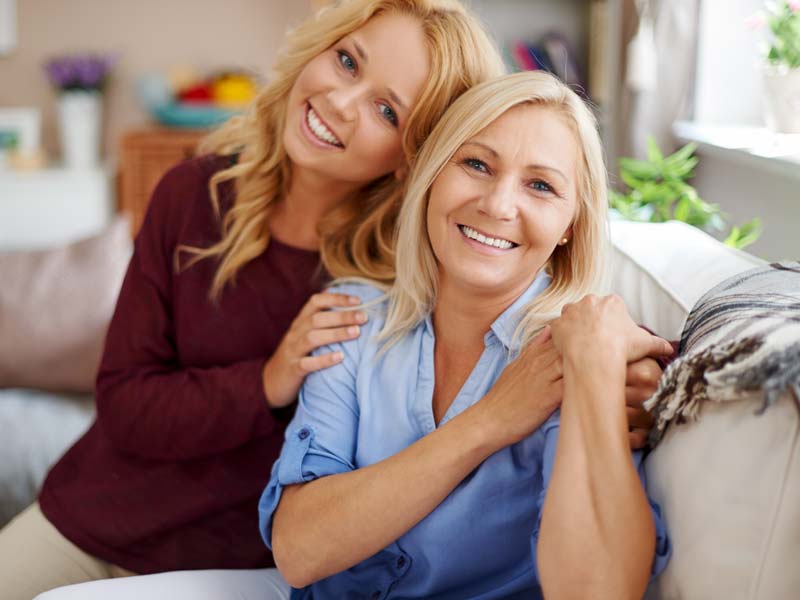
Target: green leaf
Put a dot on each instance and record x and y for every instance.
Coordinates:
(653, 152)
(745, 234)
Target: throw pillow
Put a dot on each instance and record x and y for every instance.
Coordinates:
(727, 469)
(55, 306)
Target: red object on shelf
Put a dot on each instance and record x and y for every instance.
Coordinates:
(196, 93)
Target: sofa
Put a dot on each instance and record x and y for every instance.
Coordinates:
(660, 270)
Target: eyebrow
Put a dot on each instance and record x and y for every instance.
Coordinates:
(364, 57)
(494, 153)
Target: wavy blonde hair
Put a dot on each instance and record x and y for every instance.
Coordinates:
(356, 236)
(577, 268)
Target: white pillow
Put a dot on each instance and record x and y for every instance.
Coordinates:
(729, 488)
(662, 269)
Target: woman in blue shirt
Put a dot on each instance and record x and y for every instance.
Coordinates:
(425, 464)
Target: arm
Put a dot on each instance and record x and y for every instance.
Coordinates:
(597, 534)
(148, 404)
(349, 507)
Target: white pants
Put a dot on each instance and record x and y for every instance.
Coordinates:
(250, 584)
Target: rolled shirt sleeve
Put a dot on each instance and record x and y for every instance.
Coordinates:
(321, 439)
(663, 547)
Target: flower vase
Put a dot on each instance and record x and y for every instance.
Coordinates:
(782, 99)
(79, 118)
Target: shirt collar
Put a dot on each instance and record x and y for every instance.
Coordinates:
(506, 324)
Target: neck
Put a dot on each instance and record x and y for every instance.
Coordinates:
(462, 317)
(295, 219)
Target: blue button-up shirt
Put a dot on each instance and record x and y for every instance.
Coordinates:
(480, 542)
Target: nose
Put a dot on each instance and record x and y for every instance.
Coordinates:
(500, 201)
(343, 101)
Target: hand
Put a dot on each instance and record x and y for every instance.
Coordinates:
(600, 326)
(316, 325)
(527, 391)
(641, 381)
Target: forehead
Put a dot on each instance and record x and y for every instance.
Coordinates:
(533, 134)
(397, 53)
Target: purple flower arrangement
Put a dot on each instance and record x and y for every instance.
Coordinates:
(80, 72)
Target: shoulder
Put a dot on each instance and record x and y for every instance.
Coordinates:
(181, 202)
(187, 179)
(373, 303)
(368, 292)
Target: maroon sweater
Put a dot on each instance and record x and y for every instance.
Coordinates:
(169, 475)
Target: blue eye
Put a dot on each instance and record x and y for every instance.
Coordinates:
(542, 186)
(388, 113)
(476, 164)
(347, 61)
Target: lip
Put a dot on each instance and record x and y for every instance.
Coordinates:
(309, 135)
(483, 248)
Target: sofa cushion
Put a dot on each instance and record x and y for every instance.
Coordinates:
(662, 269)
(727, 470)
(55, 306)
(35, 428)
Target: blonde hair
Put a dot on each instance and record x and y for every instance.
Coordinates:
(356, 236)
(577, 268)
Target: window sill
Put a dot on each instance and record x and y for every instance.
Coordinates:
(756, 147)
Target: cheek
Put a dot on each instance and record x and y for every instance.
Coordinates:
(377, 142)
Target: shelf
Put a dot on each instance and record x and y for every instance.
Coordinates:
(757, 147)
(53, 206)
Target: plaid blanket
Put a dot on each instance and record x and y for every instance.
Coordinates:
(740, 342)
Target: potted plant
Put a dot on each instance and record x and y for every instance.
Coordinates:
(658, 190)
(80, 80)
(782, 69)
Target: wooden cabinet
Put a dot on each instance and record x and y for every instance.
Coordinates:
(145, 156)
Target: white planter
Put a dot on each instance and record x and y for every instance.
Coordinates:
(782, 99)
(79, 118)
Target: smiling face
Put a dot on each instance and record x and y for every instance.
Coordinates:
(504, 201)
(348, 108)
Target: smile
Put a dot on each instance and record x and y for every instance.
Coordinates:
(320, 130)
(494, 242)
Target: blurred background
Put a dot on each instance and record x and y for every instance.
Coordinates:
(675, 71)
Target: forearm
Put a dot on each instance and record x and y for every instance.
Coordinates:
(597, 534)
(174, 414)
(350, 510)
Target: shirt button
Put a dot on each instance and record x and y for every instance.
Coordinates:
(303, 433)
(401, 562)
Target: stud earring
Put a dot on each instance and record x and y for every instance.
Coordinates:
(563, 241)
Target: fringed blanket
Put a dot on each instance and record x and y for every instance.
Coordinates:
(741, 341)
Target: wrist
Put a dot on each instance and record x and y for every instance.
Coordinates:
(267, 379)
(482, 432)
(600, 354)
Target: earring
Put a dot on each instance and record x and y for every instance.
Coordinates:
(563, 241)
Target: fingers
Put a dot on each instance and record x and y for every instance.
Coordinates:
(315, 338)
(638, 438)
(641, 381)
(326, 301)
(638, 418)
(337, 318)
(659, 347)
(544, 336)
(309, 364)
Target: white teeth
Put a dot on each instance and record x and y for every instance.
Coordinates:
(489, 241)
(318, 128)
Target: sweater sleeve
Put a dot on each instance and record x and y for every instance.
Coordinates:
(149, 404)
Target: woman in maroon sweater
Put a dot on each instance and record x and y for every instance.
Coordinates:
(210, 340)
